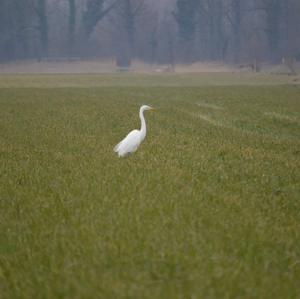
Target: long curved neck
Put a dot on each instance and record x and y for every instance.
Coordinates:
(143, 124)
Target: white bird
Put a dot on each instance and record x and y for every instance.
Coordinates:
(133, 140)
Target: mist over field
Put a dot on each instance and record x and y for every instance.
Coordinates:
(247, 34)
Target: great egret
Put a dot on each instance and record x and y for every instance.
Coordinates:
(133, 140)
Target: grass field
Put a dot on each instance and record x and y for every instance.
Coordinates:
(208, 207)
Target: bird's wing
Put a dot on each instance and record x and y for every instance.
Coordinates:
(131, 141)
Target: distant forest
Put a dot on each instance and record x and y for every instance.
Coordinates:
(164, 32)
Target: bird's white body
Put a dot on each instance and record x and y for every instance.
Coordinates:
(133, 140)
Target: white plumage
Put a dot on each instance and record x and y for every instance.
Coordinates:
(133, 140)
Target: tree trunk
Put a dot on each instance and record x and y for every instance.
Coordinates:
(273, 20)
(72, 26)
(43, 26)
(237, 22)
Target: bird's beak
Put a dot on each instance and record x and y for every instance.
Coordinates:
(151, 108)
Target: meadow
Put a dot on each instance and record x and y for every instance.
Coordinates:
(208, 207)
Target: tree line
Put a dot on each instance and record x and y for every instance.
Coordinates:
(185, 31)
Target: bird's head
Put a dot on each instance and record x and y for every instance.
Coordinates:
(146, 107)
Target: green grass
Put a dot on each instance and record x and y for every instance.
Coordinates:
(208, 207)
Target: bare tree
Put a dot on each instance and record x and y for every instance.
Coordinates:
(126, 16)
(71, 25)
(186, 18)
(234, 13)
(272, 10)
(95, 11)
(15, 29)
(41, 12)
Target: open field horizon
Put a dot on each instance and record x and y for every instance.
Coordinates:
(208, 207)
(63, 65)
(144, 80)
